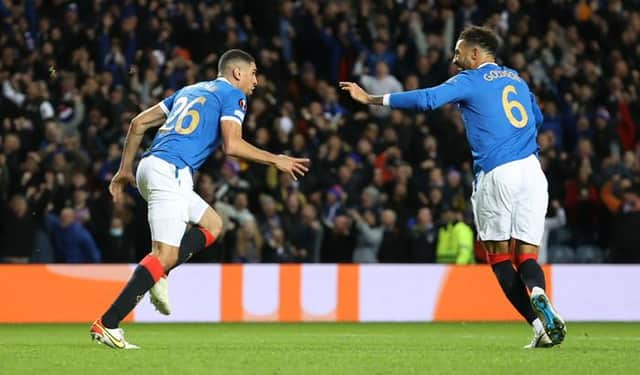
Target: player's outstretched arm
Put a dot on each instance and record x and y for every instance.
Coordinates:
(147, 119)
(234, 145)
(358, 94)
(455, 89)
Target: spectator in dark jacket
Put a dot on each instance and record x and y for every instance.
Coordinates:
(423, 238)
(16, 241)
(393, 248)
(71, 241)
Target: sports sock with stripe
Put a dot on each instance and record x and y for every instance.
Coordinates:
(149, 271)
(512, 286)
(531, 274)
(194, 241)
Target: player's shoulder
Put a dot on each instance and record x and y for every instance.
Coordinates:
(225, 88)
(463, 77)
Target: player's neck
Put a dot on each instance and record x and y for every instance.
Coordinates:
(484, 62)
(230, 81)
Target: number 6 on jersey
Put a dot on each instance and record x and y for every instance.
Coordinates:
(509, 106)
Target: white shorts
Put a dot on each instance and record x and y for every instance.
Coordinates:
(171, 199)
(511, 202)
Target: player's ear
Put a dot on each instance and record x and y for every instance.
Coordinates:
(475, 52)
(236, 72)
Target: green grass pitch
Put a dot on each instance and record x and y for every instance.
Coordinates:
(320, 348)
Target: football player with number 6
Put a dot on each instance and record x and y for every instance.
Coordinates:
(509, 196)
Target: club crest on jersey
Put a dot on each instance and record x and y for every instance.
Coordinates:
(243, 105)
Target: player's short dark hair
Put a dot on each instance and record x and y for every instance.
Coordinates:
(231, 56)
(481, 36)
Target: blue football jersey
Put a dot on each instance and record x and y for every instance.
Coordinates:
(499, 111)
(191, 131)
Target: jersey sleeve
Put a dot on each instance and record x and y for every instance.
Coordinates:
(167, 103)
(456, 89)
(537, 113)
(234, 107)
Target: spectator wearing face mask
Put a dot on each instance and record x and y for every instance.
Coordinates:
(120, 248)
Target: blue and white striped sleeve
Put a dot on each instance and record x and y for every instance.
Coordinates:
(167, 103)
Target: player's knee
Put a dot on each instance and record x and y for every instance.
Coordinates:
(211, 222)
(169, 260)
(167, 255)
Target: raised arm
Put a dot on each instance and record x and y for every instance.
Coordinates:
(234, 145)
(152, 117)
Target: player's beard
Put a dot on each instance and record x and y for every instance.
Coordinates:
(463, 64)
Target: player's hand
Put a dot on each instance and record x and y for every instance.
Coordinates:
(118, 183)
(293, 166)
(356, 92)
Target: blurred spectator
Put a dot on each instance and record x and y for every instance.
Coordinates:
(455, 239)
(556, 218)
(368, 236)
(380, 83)
(276, 250)
(626, 210)
(71, 241)
(306, 235)
(248, 243)
(424, 236)
(18, 232)
(394, 247)
(119, 248)
(339, 241)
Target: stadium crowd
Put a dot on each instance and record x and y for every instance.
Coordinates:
(385, 186)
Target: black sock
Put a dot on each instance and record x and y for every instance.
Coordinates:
(531, 274)
(514, 289)
(193, 241)
(140, 282)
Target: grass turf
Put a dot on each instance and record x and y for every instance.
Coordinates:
(321, 348)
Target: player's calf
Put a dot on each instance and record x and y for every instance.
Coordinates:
(530, 271)
(511, 284)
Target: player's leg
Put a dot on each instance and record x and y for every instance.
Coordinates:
(530, 206)
(151, 269)
(492, 208)
(533, 276)
(167, 219)
(202, 235)
(530, 271)
(499, 258)
(198, 237)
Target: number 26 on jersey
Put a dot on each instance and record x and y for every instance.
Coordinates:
(182, 110)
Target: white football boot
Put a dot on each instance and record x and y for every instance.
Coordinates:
(113, 338)
(540, 338)
(552, 322)
(159, 296)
